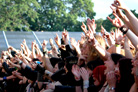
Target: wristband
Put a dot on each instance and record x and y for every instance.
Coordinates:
(123, 29)
(47, 72)
(85, 84)
(4, 78)
(117, 45)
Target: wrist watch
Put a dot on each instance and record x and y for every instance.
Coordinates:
(111, 88)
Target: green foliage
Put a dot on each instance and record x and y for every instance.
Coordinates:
(134, 12)
(55, 15)
(107, 24)
(46, 15)
(14, 14)
(99, 23)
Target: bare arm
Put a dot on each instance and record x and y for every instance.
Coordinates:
(132, 18)
(46, 63)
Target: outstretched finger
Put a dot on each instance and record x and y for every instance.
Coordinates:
(109, 19)
(115, 15)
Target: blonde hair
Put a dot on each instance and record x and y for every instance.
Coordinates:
(93, 54)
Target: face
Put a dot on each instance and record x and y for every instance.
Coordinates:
(134, 63)
(117, 72)
(33, 65)
(96, 81)
(56, 68)
(109, 64)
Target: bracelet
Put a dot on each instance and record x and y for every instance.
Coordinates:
(47, 72)
(85, 84)
(117, 45)
(111, 88)
(77, 79)
(123, 29)
(4, 78)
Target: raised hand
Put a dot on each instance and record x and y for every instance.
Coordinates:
(92, 25)
(103, 31)
(82, 39)
(77, 47)
(84, 74)
(118, 4)
(44, 43)
(73, 42)
(57, 40)
(51, 41)
(111, 79)
(91, 39)
(117, 22)
(76, 72)
(65, 37)
(118, 36)
(83, 27)
(24, 42)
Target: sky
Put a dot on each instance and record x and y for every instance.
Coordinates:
(102, 7)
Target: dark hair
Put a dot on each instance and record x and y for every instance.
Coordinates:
(92, 64)
(62, 41)
(13, 53)
(127, 79)
(69, 61)
(55, 60)
(115, 57)
(35, 59)
(61, 65)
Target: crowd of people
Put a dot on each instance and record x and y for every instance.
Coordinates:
(106, 62)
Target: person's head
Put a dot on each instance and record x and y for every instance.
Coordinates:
(101, 41)
(123, 74)
(115, 57)
(99, 76)
(92, 52)
(135, 64)
(55, 60)
(112, 62)
(69, 62)
(58, 66)
(125, 67)
(92, 65)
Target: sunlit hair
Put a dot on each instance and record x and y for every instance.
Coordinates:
(93, 54)
(101, 40)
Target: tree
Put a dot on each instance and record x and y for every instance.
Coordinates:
(14, 14)
(99, 23)
(59, 14)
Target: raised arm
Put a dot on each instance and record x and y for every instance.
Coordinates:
(132, 18)
(128, 53)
